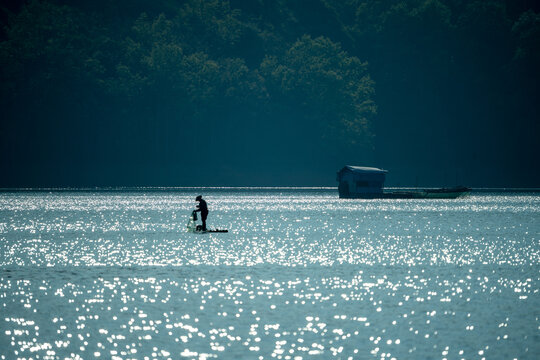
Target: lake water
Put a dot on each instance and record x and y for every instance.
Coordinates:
(300, 275)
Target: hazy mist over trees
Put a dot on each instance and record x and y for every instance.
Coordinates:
(268, 92)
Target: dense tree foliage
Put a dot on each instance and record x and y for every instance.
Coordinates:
(267, 92)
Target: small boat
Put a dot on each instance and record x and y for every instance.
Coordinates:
(440, 193)
(446, 193)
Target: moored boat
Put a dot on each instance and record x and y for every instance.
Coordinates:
(446, 193)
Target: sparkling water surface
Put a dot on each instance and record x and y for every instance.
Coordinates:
(300, 275)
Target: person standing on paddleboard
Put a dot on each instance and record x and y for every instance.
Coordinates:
(203, 208)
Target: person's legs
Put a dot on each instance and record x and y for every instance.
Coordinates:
(203, 218)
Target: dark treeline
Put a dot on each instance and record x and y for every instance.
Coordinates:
(268, 92)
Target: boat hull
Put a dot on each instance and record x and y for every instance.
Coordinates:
(442, 193)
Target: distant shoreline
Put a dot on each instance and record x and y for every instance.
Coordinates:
(239, 188)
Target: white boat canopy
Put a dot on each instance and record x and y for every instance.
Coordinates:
(365, 169)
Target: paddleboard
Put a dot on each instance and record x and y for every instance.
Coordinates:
(210, 231)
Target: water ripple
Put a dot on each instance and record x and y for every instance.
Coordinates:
(299, 275)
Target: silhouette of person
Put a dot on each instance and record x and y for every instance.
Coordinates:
(203, 209)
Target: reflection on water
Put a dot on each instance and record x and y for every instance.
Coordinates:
(299, 275)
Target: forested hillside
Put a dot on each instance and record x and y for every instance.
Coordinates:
(268, 92)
